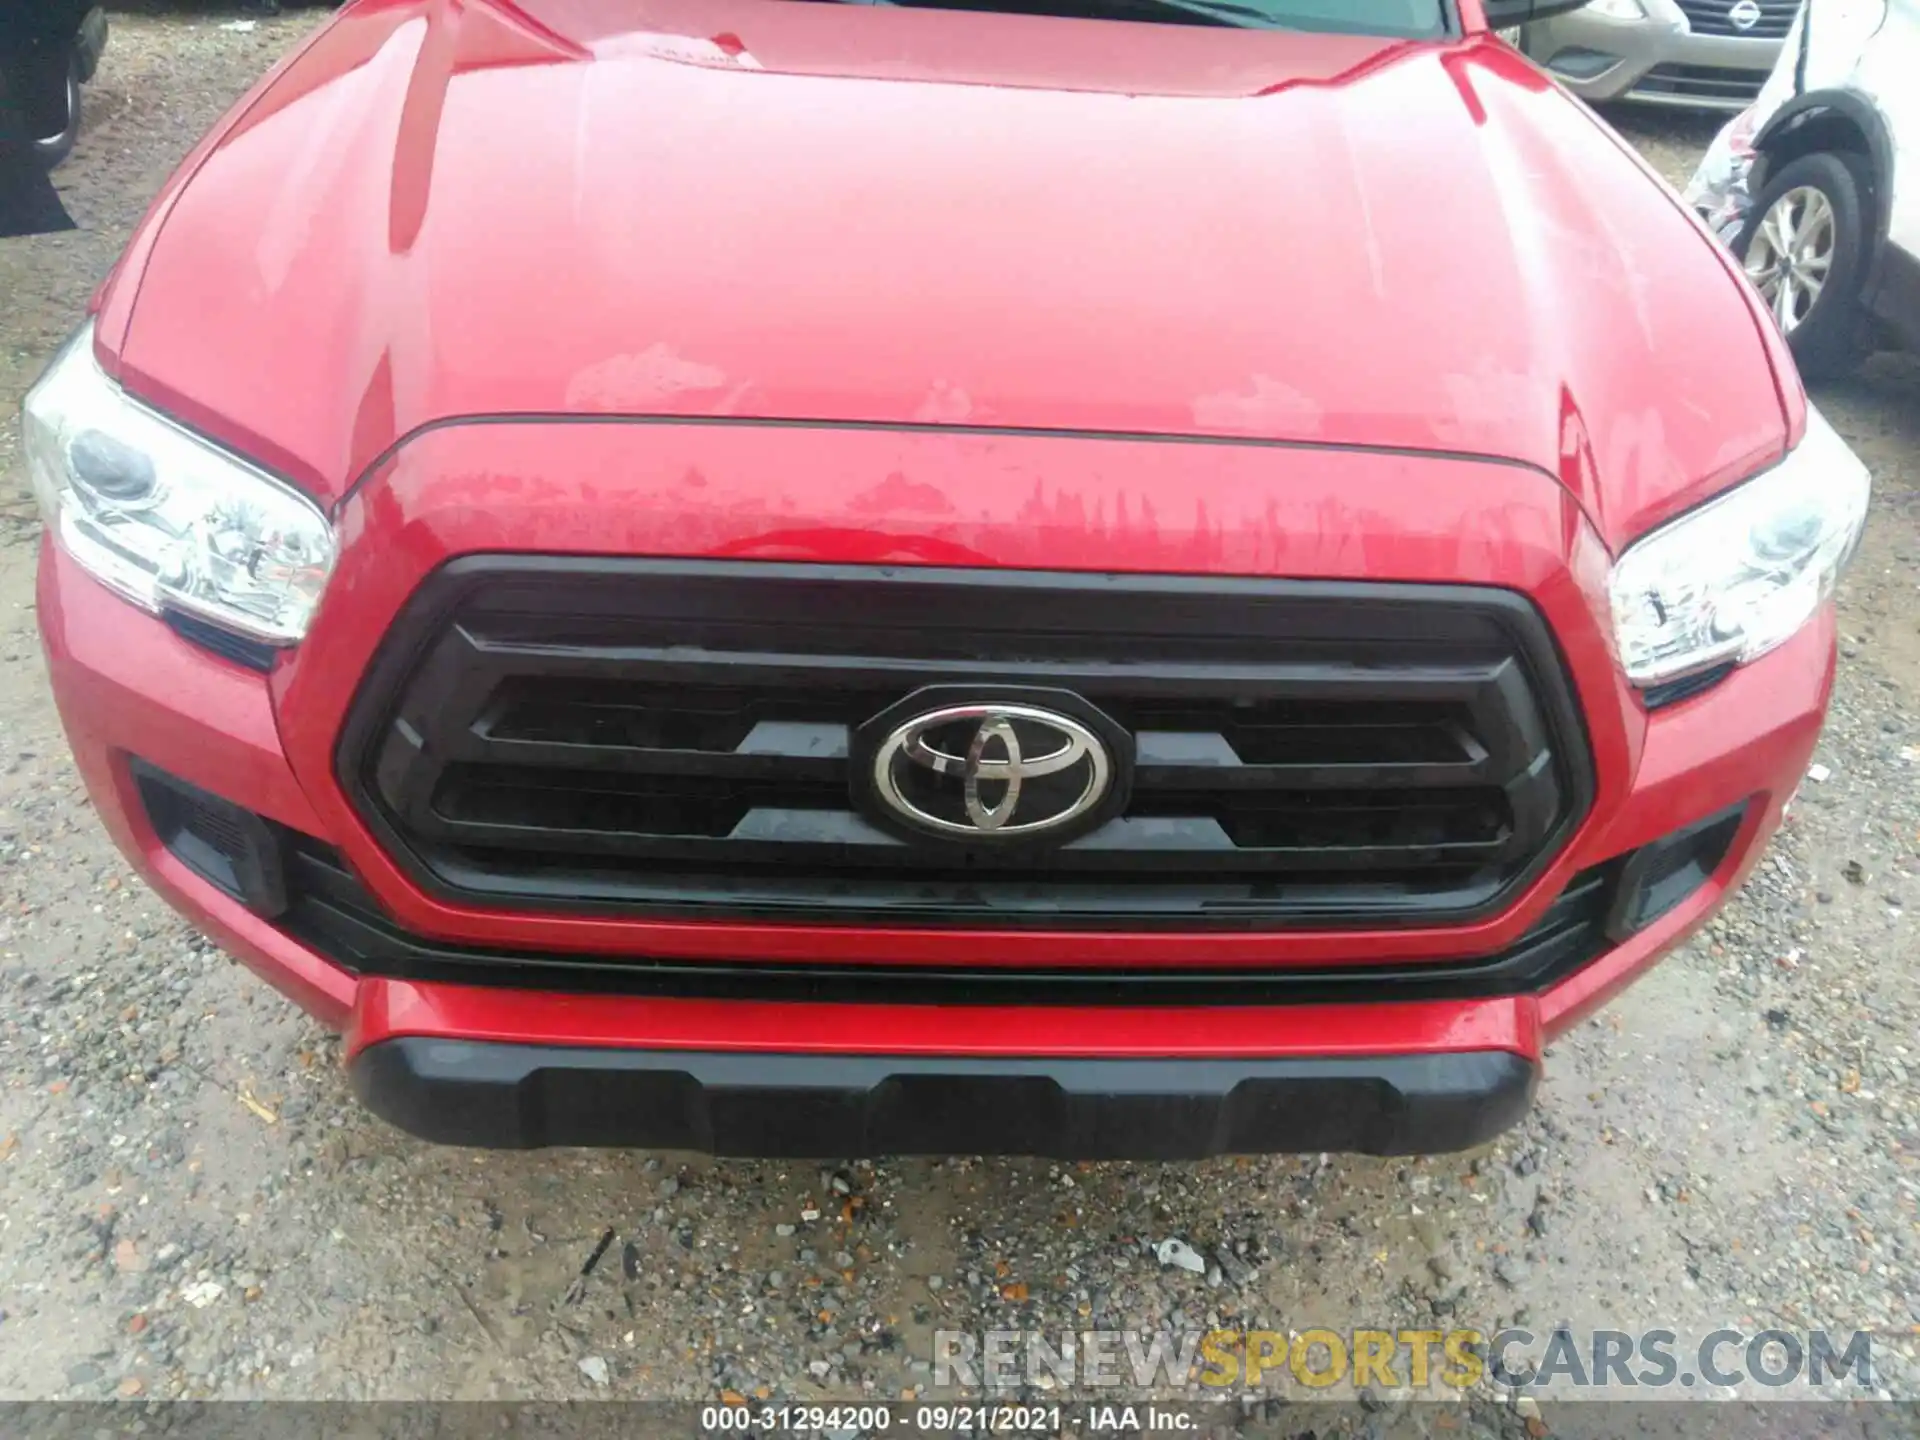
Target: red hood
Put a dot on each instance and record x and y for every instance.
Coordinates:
(810, 211)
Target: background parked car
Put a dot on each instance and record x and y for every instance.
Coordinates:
(1817, 185)
(47, 51)
(1703, 54)
(55, 51)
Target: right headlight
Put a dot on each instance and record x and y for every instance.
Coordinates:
(165, 518)
(1731, 580)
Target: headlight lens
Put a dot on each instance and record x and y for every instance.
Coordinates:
(1618, 9)
(1736, 577)
(165, 518)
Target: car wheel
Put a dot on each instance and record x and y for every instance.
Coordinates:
(1805, 250)
(52, 149)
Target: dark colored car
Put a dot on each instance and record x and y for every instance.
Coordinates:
(55, 47)
(790, 578)
(48, 50)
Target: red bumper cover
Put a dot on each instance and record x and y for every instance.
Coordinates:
(129, 687)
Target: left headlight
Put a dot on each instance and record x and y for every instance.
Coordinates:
(164, 518)
(1733, 579)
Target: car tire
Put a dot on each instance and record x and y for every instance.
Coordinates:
(1829, 337)
(51, 150)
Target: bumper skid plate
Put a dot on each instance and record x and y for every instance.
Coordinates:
(801, 1105)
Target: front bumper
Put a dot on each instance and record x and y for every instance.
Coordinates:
(532, 1023)
(474, 1064)
(1656, 61)
(735, 1103)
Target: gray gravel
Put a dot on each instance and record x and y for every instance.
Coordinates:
(191, 1204)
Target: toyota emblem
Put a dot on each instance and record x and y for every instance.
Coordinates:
(991, 771)
(1745, 14)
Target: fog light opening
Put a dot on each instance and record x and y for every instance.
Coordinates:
(229, 847)
(1659, 876)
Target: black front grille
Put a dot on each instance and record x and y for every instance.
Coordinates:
(1716, 17)
(332, 914)
(1706, 83)
(674, 738)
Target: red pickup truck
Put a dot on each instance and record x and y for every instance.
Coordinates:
(1091, 578)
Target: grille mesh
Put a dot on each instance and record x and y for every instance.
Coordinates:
(1715, 17)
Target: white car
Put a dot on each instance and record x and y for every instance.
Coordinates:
(1816, 186)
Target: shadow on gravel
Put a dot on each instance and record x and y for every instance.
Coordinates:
(1891, 381)
(1881, 408)
(1640, 122)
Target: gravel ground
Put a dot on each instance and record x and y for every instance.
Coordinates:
(191, 1205)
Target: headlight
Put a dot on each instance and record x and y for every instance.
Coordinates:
(1617, 9)
(165, 518)
(1736, 577)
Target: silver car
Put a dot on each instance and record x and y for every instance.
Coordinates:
(1700, 54)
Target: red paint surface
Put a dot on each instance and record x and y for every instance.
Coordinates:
(1406, 312)
(388, 1008)
(834, 212)
(127, 685)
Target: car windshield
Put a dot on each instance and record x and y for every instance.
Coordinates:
(1411, 18)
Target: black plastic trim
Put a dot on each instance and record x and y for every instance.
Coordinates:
(698, 879)
(335, 917)
(1672, 692)
(1659, 876)
(253, 654)
(507, 1096)
(251, 869)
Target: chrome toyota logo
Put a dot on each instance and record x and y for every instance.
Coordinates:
(990, 771)
(1745, 15)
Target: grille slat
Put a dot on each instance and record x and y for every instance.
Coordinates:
(1702, 82)
(1154, 776)
(1140, 896)
(674, 737)
(1332, 680)
(1715, 17)
(718, 766)
(820, 753)
(332, 913)
(721, 830)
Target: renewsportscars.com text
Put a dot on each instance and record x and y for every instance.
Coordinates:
(1559, 1360)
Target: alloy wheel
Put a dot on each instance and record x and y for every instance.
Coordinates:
(1792, 253)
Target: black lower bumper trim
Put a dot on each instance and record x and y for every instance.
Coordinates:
(813, 1106)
